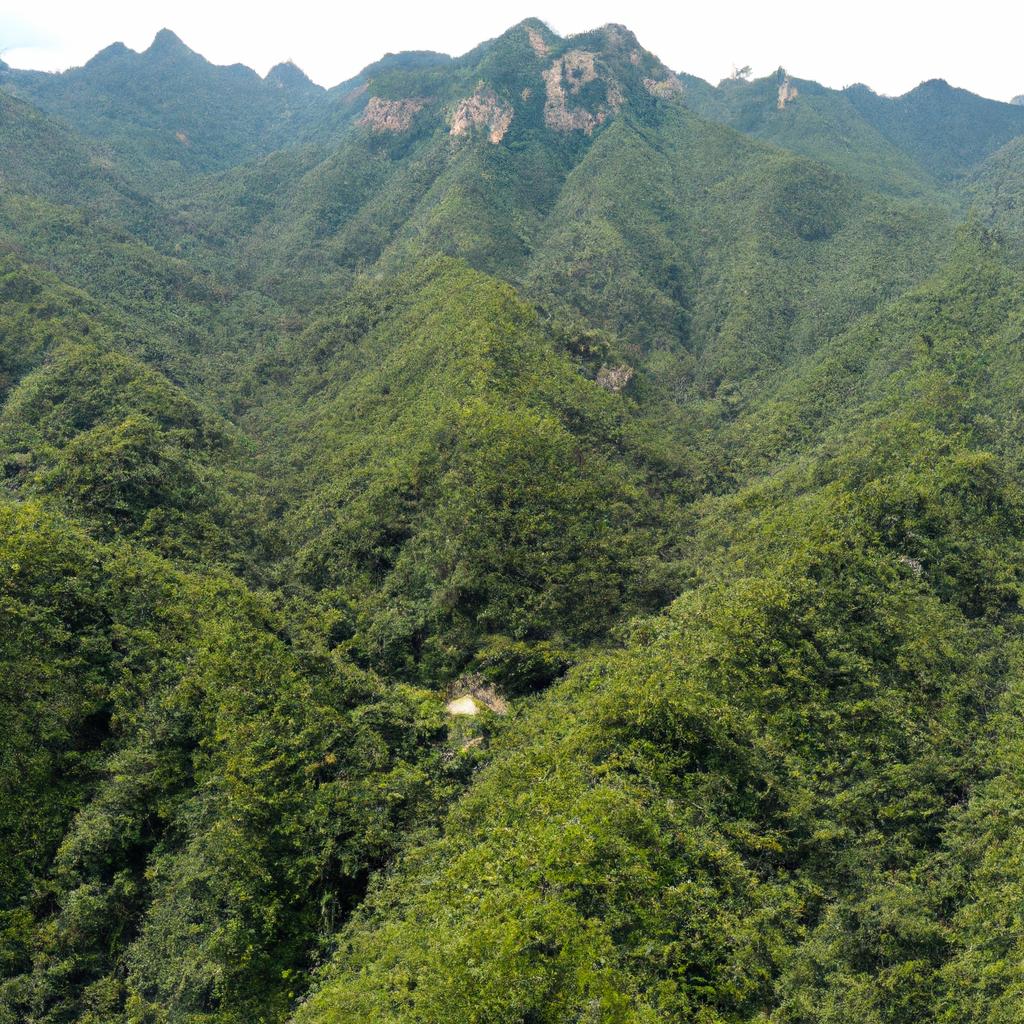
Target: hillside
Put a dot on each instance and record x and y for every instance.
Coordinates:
(923, 140)
(672, 429)
(168, 113)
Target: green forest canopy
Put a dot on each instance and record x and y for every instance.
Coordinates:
(681, 422)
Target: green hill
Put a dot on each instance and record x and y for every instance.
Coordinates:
(168, 112)
(911, 144)
(947, 130)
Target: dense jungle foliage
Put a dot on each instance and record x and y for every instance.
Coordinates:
(676, 428)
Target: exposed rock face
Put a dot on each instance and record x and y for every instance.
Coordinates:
(469, 695)
(787, 93)
(482, 110)
(390, 115)
(537, 42)
(563, 80)
(618, 37)
(463, 706)
(614, 379)
(666, 89)
(913, 564)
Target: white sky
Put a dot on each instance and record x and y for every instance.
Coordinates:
(889, 44)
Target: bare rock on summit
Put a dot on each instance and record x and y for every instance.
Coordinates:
(564, 80)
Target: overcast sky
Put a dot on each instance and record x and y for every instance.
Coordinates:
(890, 45)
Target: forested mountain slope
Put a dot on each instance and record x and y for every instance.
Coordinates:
(676, 428)
(927, 138)
(167, 112)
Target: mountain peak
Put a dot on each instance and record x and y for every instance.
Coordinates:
(533, 26)
(540, 36)
(619, 36)
(934, 85)
(111, 52)
(533, 23)
(166, 42)
(288, 75)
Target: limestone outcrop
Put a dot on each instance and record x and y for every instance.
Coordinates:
(483, 110)
(383, 115)
(563, 82)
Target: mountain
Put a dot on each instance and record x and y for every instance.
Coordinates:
(946, 130)
(168, 112)
(906, 144)
(807, 118)
(996, 188)
(43, 159)
(523, 536)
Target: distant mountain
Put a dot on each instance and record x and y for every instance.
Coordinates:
(169, 111)
(947, 130)
(933, 134)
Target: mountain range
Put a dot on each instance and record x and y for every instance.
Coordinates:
(523, 538)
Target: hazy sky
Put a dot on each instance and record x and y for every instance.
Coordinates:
(889, 44)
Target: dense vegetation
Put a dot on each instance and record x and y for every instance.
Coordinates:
(676, 425)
